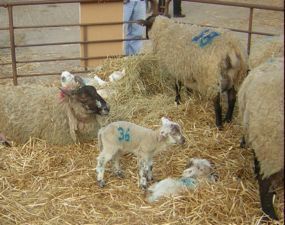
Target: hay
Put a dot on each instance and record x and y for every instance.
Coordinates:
(43, 184)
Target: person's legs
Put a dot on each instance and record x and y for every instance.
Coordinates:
(177, 8)
(136, 12)
(138, 30)
(128, 12)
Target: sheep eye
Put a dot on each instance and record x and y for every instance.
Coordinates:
(63, 79)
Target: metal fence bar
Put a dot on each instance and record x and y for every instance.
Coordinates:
(86, 42)
(85, 47)
(68, 25)
(41, 74)
(13, 47)
(12, 43)
(44, 2)
(249, 30)
(237, 4)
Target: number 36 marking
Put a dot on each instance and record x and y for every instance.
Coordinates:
(123, 134)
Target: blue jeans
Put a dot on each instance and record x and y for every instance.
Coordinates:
(133, 10)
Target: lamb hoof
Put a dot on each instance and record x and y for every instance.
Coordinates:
(268, 218)
(227, 120)
(150, 179)
(220, 127)
(242, 143)
(101, 183)
(143, 187)
(120, 174)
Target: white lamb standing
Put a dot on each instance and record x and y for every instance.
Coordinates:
(122, 137)
(197, 169)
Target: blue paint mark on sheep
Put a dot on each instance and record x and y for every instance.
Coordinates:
(124, 135)
(188, 182)
(205, 37)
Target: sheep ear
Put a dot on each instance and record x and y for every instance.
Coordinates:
(79, 80)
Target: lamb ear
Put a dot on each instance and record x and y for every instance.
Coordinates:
(79, 80)
(165, 121)
(189, 163)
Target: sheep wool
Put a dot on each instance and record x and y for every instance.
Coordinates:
(261, 109)
(266, 48)
(36, 111)
(195, 55)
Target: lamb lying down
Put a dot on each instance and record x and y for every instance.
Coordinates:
(196, 169)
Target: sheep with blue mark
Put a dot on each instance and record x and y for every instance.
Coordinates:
(122, 137)
(206, 60)
(196, 170)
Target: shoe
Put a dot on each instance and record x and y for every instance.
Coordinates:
(179, 15)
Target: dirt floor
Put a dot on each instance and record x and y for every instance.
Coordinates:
(44, 184)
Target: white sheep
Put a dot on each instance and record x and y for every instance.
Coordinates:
(261, 110)
(121, 137)
(59, 117)
(265, 48)
(196, 170)
(209, 61)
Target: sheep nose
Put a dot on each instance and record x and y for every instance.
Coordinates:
(106, 110)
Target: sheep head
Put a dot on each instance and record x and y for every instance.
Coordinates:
(148, 22)
(198, 168)
(85, 101)
(171, 132)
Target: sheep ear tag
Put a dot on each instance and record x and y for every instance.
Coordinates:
(63, 93)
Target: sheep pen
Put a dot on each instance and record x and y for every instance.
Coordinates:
(43, 184)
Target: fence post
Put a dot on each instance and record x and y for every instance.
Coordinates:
(12, 44)
(85, 47)
(249, 30)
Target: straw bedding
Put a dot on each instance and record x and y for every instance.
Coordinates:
(44, 184)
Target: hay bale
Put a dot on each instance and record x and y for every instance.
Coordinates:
(265, 48)
(196, 55)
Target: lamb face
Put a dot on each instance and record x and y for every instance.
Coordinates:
(171, 132)
(197, 168)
